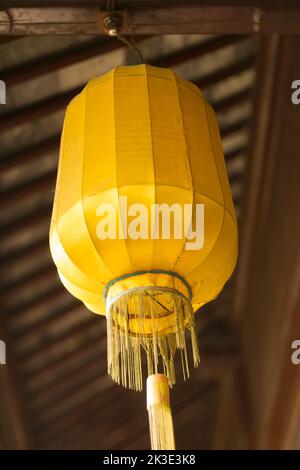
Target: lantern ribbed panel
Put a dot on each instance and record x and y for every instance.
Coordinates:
(143, 133)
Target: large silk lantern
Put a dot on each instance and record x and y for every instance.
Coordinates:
(139, 145)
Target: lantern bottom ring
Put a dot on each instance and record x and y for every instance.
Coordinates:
(153, 320)
(169, 274)
(147, 290)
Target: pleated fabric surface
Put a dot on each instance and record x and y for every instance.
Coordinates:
(144, 133)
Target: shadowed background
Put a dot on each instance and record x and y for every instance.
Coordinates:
(54, 390)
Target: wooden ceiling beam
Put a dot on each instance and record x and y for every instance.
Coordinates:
(43, 422)
(29, 153)
(259, 126)
(42, 273)
(285, 422)
(55, 293)
(185, 403)
(77, 379)
(29, 220)
(74, 331)
(116, 432)
(225, 73)
(79, 416)
(267, 58)
(55, 315)
(7, 39)
(241, 125)
(226, 358)
(233, 100)
(267, 281)
(224, 422)
(179, 404)
(26, 252)
(37, 388)
(196, 51)
(30, 373)
(50, 393)
(13, 423)
(38, 110)
(20, 73)
(70, 425)
(59, 101)
(28, 189)
(156, 18)
(52, 62)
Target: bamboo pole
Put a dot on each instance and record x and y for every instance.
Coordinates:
(159, 412)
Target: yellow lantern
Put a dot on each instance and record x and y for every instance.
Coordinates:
(143, 227)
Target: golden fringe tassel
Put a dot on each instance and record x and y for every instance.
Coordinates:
(154, 319)
(159, 412)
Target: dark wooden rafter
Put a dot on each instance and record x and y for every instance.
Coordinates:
(181, 409)
(32, 152)
(24, 253)
(286, 412)
(156, 18)
(14, 423)
(58, 364)
(282, 204)
(64, 372)
(52, 143)
(99, 47)
(41, 273)
(62, 360)
(48, 418)
(211, 361)
(70, 308)
(223, 423)
(38, 110)
(42, 298)
(29, 219)
(267, 310)
(78, 378)
(52, 62)
(225, 73)
(76, 417)
(261, 124)
(58, 102)
(7, 39)
(72, 332)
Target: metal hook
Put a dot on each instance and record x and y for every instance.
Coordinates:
(113, 25)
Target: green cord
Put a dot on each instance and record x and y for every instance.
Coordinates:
(150, 271)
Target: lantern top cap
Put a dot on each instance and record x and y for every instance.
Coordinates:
(141, 70)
